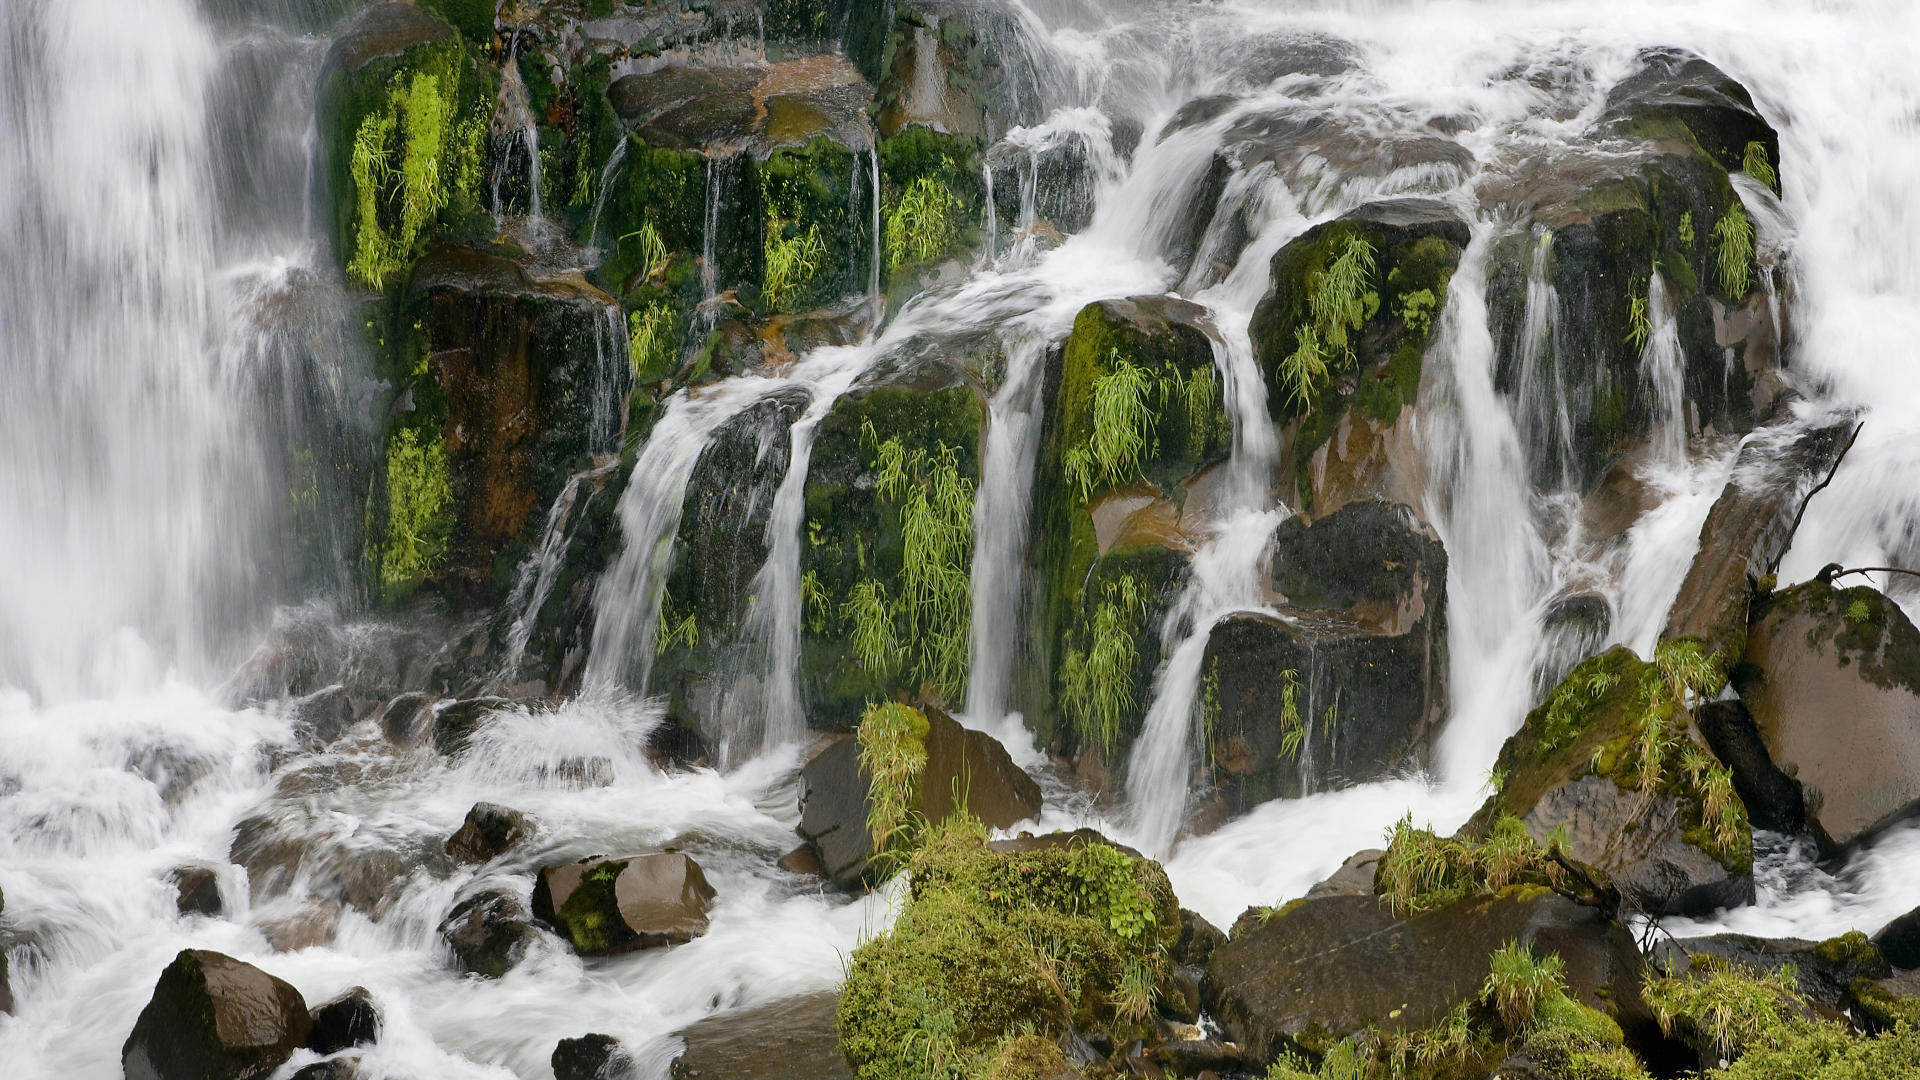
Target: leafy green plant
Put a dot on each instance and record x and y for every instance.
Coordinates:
(921, 226)
(651, 339)
(1305, 370)
(1340, 300)
(1724, 1009)
(1757, 164)
(674, 629)
(893, 754)
(419, 498)
(1202, 398)
(1733, 250)
(815, 601)
(1417, 309)
(1421, 871)
(654, 256)
(792, 263)
(1099, 679)
(869, 612)
(1639, 322)
(405, 154)
(1685, 230)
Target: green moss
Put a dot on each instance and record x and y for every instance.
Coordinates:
(1823, 1050)
(474, 18)
(1422, 871)
(1851, 949)
(1723, 1009)
(591, 909)
(1876, 1009)
(893, 754)
(933, 198)
(820, 191)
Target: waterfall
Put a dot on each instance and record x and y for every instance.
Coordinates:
(1545, 426)
(1663, 365)
(607, 175)
(1001, 528)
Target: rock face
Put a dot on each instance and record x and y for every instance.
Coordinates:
(215, 1018)
(1832, 678)
(489, 832)
(1325, 968)
(833, 793)
(622, 903)
(488, 933)
(350, 1020)
(795, 1039)
(1350, 683)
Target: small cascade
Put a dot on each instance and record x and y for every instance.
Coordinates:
(607, 176)
(1546, 428)
(1663, 365)
(612, 378)
(516, 132)
(533, 582)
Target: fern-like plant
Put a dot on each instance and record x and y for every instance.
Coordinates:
(1759, 165)
(922, 226)
(1733, 250)
(792, 263)
(651, 338)
(1099, 679)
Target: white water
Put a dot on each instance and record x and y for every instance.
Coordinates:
(123, 463)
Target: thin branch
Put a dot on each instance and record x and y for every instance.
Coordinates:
(1832, 571)
(1774, 566)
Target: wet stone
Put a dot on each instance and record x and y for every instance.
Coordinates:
(488, 933)
(197, 891)
(215, 1018)
(591, 1057)
(489, 832)
(350, 1020)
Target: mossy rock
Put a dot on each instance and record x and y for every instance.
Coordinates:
(618, 904)
(993, 946)
(933, 204)
(1825, 972)
(1678, 94)
(819, 193)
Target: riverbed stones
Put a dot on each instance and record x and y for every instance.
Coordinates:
(618, 904)
(1832, 679)
(213, 1017)
(488, 932)
(455, 723)
(964, 767)
(489, 831)
(795, 1039)
(345, 1021)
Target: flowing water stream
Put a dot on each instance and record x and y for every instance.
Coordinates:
(154, 247)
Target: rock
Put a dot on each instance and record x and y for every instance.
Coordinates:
(1199, 939)
(407, 719)
(197, 891)
(6, 988)
(215, 1018)
(1027, 841)
(455, 723)
(1772, 799)
(346, 1021)
(689, 108)
(801, 862)
(488, 932)
(321, 718)
(340, 1068)
(1749, 528)
(795, 1039)
(833, 799)
(961, 69)
(1824, 970)
(311, 922)
(1640, 842)
(1354, 878)
(1191, 1057)
(1832, 678)
(1677, 89)
(591, 1057)
(386, 30)
(489, 831)
(1899, 941)
(1880, 1004)
(622, 903)
(1326, 968)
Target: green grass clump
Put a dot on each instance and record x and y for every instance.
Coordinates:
(1517, 982)
(1824, 1050)
(1293, 732)
(1858, 611)
(408, 156)
(1724, 1010)
(1639, 322)
(922, 225)
(792, 263)
(1422, 871)
(1733, 239)
(419, 510)
(1098, 679)
(1340, 299)
(869, 614)
(893, 754)
(1757, 164)
(651, 342)
(674, 629)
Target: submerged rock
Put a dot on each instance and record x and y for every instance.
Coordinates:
(197, 891)
(488, 932)
(346, 1021)
(795, 1039)
(215, 1018)
(591, 1057)
(489, 831)
(621, 903)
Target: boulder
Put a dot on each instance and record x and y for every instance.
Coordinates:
(1824, 970)
(346, 1067)
(1325, 968)
(1832, 679)
(1880, 1004)
(1772, 799)
(833, 793)
(795, 1039)
(321, 718)
(958, 68)
(1641, 843)
(1899, 941)
(215, 1018)
(1676, 94)
(407, 719)
(386, 30)
(591, 1057)
(1354, 878)
(196, 891)
(621, 903)
(455, 722)
(489, 831)
(488, 932)
(348, 1020)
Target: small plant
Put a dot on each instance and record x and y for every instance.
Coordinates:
(815, 601)
(1858, 611)
(1345, 1061)
(1421, 871)
(1759, 165)
(673, 629)
(870, 613)
(1517, 983)
(921, 226)
(1292, 731)
(1099, 680)
(651, 337)
(1202, 398)
(1686, 230)
(654, 256)
(1305, 370)
(419, 494)
(1339, 302)
(1639, 322)
(1725, 1009)
(1733, 239)
(1134, 999)
(1417, 310)
(893, 754)
(792, 263)
(406, 154)
(1122, 422)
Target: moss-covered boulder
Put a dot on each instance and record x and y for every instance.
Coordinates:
(995, 946)
(1132, 422)
(1823, 971)
(1360, 657)
(215, 1018)
(506, 385)
(932, 206)
(1340, 340)
(1317, 971)
(1612, 765)
(1832, 678)
(621, 903)
(404, 107)
(963, 770)
(1678, 95)
(795, 1039)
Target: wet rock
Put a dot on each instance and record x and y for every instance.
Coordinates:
(1192, 1057)
(1879, 1004)
(270, 850)
(622, 903)
(1750, 527)
(340, 1068)
(1326, 968)
(833, 799)
(6, 988)
(454, 724)
(309, 923)
(386, 30)
(321, 718)
(1824, 970)
(197, 891)
(489, 832)
(408, 719)
(215, 1018)
(1676, 94)
(801, 862)
(172, 770)
(957, 68)
(346, 1021)
(591, 1057)
(1899, 941)
(1832, 678)
(1055, 840)
(795, 1039)
(488, 932)
(1354, 878)
(689, 108)
(1772, 799)
(1199, 939)
(1641, 843)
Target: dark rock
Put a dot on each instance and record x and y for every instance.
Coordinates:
(1198, 940)
(1879, 1004)
(215, 1018)
(386, 30)
(488, 932)
(172, 770)
(1354, 878)
(489, 832)
(1326, 968)
(689, 108)
(1640, 842)
(270, 850)
(320, 718)
(1832, 678)
(340, 1068)
(407, 719)
(349, 1020)
(1177, 993)
(591, 1057)
(957, 68)
(833, 799)
(1899, 941)
(6, 989)
(619, 904)
(1824, 970)
(197, 891)
(795, 1039)
(1677, 93)
(1050, 841)
(801, 862)
(454, 724)
(1772, 799)
(1191, 1057)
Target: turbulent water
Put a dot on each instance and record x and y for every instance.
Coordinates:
(168, 312)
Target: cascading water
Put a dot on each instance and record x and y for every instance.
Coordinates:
(142, 499)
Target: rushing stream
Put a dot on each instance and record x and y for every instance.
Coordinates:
(169, 310)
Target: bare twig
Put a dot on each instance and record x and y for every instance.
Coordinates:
(1774, 566)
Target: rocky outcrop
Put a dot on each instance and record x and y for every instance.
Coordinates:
(1322, 969)
(1348, 683)
(621, 903)
(1832, 679)
(489, 831)
(957, 68)
(349, 1020)
(215, 1018)
(964, 768)
(795, 1039)
(488, 932)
